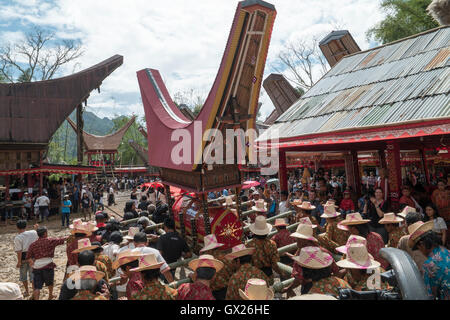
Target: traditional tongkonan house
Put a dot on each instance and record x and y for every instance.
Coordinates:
(387, 99)
(231, 104)
(30, 113)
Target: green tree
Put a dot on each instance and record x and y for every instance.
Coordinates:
(404, 18)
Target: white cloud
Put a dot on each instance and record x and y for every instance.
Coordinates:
(184, 40)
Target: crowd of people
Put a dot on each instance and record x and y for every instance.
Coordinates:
(338, 242)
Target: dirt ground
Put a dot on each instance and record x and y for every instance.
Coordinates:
(8, 258)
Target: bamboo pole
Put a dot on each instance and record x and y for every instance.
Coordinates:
(272, 219)
(277, 287)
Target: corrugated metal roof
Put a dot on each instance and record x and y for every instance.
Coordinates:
(403, 81)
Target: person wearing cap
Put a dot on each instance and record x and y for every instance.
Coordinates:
(153, 289)
(246, 271)
(282, 238)
(357, 263)
(40, 256)
(304, 235)
(436, 269)
(65, 211)
(266, 254)
(256, 289)
(391, 223)
(205, 267)
(316, 266)
(333, 237)
(220, 281)
(411, 219)
(358, 226)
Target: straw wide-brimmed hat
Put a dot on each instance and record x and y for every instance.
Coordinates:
(239, 251)
(306, 220)
(125, 257)
(329, 211)
(357, 257)
(390, 218)
(304, 231)
(210, 242)
(406, 210)
(83, 245)
(313, 296)
(86, 272)
(306, 205)
(331, 203)
(78, 226)
(229, 201)
(313, 258)
(352, 239)
(417, 231)
(131, 233)
(280, 223)
(147, 262)
(256, 289)
(353, 219)
(260, 227)
(206, 261)
(296, 202)
(91, 226)
(260, 205)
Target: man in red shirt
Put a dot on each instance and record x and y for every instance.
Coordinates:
(282, 239)
(40, 255)
(205, 267)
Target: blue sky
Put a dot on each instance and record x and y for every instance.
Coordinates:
(183, 39)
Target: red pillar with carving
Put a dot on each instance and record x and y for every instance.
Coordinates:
(394, 173)
(424, 165)
(352, 171)
(383, 173)
(282, 172)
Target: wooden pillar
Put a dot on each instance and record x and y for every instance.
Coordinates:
(394, 173)
(238, 202)
(424, 165)
(383, 173)
(352, 171)
(282, 172)
(169, 201)
(194, 234)
(80, 125)
(89, 159)
(7, 187)
(182, 226)
(206, 214)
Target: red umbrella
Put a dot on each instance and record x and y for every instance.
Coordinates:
(249, 184)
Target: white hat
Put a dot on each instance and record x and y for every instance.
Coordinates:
(256, 289)
(260, 227)
(329, 211)
(358, 257)
(260, 205)
(10, 291)
(131, 233)
(210, 242)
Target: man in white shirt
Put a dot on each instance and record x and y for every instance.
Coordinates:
(22, 242)
(43, 202)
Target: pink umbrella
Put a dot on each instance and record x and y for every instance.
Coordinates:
(249, 184)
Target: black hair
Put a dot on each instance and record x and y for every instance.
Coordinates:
(21, 224)
(140, 237)
(281, 227)
(169, 223)
(116, 237)
(79, 235)
(99, 249)
(143, 214)
(128, 206)
(363, 229)
(257, 236)
(284, 193)
(205, 273)
(244, 198)
(436, 212)
(413, 217)
(378, 188)
(99, 216)
(41, 231)
(150, 274)
(151, 208)
(133, 264)
(429, 239)
(128, 215)
(316, 274)
(144, 198)
(86, 258)
(245, 259)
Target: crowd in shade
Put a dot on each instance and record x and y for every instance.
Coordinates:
(335, 237)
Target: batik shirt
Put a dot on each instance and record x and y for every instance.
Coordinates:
(436, 273)
(337, 235)
(266, 253)
(134, 284)
(361, 285)
(72, 244)
(195, 291)
(283, 238)
(87, 295)
(44, 248)
(329, 286)
(374, 244)
(240, 278)
(155, 291)
(108, 263)
(395, 236)
(101, 267)
(297, 270)
(221, 278)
